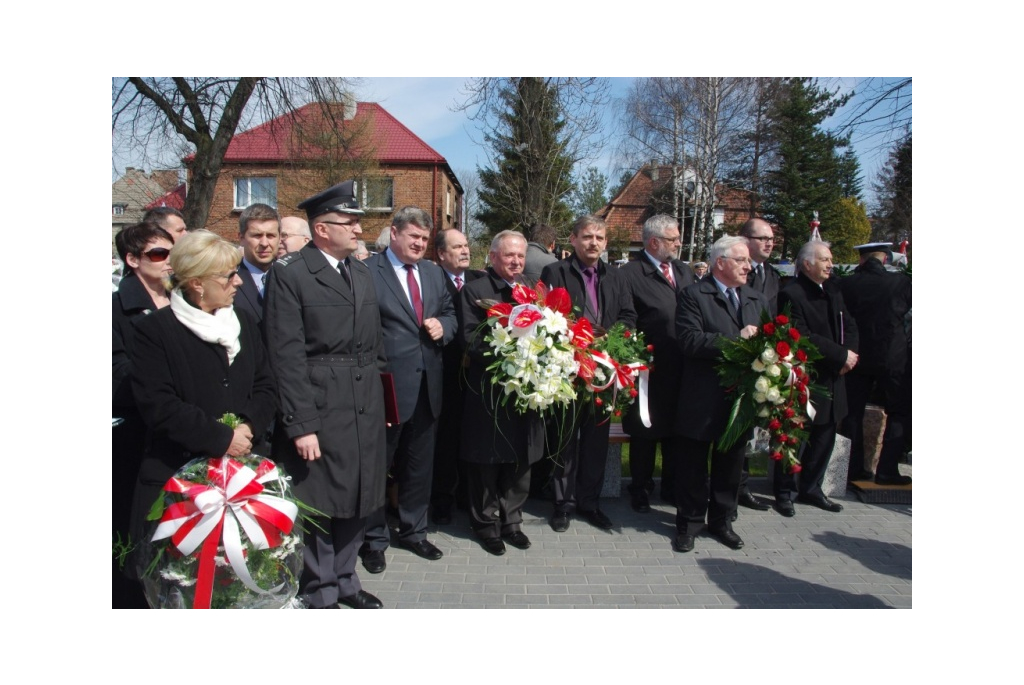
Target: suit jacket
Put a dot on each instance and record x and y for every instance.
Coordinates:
(537, 257)
(654, 300)
(248, 298)
(879, 301)
(455, 350)
(410, 351)
(769, 285)
(326, 349)
(491, 434)
(821, 315)
(703, 315)
(613, 297)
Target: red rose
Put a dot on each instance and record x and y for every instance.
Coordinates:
(782, 347)
(768, 328)
(777, 456)
(783, 438)
(626, 333)
(801, 355)
(782, 319)
(795, 468)
(650, 348)
(618, 412)
(774, 425)
(597, 401)
(788, 412)
(633, 392)
(794, 334)
(793, 441)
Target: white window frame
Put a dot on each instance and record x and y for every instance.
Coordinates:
(118, 210)
(364, 202)
(247, 183)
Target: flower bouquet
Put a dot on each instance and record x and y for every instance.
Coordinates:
(537, 348)
(616, 371)
(223, 537)
(769, 374)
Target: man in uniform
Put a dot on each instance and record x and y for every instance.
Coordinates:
(602, 296)
(326, 349)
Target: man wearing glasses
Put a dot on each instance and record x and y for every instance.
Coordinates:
(294, 235)
(326, 349)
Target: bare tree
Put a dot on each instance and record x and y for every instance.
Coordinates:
(200, 115)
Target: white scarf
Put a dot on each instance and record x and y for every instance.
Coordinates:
(221, 327)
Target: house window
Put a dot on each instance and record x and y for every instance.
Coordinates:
(118, 210)
(378, 194)
(448, 202)
(249, 191)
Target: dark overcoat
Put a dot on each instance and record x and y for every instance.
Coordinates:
(248, 297)
(769, 284)
(703, 315)
(183, 386)
(879, 301)
(820, 314)
(654, 300)
(410, 351)
(491, 434)
(613, 298)
(325, 347)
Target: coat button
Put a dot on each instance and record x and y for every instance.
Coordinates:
(225, 382)
(359, 344)
(359, 376)
(361, 410)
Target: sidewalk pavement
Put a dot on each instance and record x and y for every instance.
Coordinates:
(859, 558)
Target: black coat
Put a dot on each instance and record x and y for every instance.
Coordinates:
(654, 300)
(491, 434)
(879, 301)
(821, 315)
(703, 315)
(410, 351)
(248, 297)
(326, 349)
(130, 302)
(183, 386)
(770, 285)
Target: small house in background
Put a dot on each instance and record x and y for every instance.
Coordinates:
(132, 194)
(649, 192)
(285, 160)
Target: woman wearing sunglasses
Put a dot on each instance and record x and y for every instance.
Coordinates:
(144, 250)
(193, 362)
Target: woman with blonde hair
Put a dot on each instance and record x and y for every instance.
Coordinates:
(195, 361)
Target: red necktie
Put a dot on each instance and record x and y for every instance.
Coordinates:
(667, 270)
(458, 282)
(414, 293)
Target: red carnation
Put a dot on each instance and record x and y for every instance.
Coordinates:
(782, 319)
(777, 456)
(801, 355)
(794, 334)
(774, 425)
(782, 347)
(768, 328)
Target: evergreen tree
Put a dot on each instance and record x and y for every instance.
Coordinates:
(895, 194)
(850, 180)
(533, 177)
(848, 226)
(807, 175)
(589, 193)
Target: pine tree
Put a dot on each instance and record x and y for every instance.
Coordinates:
(895, 194)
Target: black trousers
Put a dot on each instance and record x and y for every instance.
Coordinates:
(497, 493)
(579, 470)
(642, 455)
(329, 561)
(703, 491)
(814, 457)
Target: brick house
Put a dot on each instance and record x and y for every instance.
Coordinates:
(648, 193)
(265, 164)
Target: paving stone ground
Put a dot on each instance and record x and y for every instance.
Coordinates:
(858, 558)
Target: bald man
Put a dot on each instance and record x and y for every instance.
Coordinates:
(294, 234)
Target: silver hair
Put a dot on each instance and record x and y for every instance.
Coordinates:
(807, 253)
(496, 243)
(656, 226)
(723, 245)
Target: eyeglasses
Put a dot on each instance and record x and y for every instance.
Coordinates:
(157, 254)
(227, 277)
(762, 239)
(741, 260)
(670, 241)
(285, 236)
(340, 223)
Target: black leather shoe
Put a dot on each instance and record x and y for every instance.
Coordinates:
(733, 516)
(640, 502)
(560, 521)
(442, 515)
(881, 479)
(517, 539)
(821, 502)
(785, 507)
(750, 502)
(596, 518)
(361, 600)
(862, 475)
(423, 548)
(493, 545)
(683, 543)
(374, 561)
(727, 537)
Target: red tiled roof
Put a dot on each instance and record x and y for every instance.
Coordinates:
(172, 198)
(392, 142)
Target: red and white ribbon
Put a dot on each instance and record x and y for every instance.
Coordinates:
(212, 513)
(622, 376)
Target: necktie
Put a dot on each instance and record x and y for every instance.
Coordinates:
(731, 292)
(590, 279)
(263, 284)
(458, 282)
(343, 270)
(414, 293)
(667, 270)
(755, 276)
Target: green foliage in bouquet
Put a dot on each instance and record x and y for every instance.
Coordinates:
(612, 384)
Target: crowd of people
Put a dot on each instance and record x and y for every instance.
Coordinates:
(366, 376)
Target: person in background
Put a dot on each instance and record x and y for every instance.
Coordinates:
(260, 235)
(700, 269)
(169, 219)
(294, 235)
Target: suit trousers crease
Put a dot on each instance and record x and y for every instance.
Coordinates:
(497, 493)
(702, 494)
(329, 561)
(580, 474)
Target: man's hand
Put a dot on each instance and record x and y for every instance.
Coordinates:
(748, 331)
(851, 361)
(433, 328)
(308, 446)
(241, 442)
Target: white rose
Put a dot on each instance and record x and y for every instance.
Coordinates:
(760, 397)
(757, 366)
(774, 371)
(764, 413)
(773, 396)
(769, 356)
(761, 384)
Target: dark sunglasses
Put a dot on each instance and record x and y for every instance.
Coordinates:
(157, 254)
